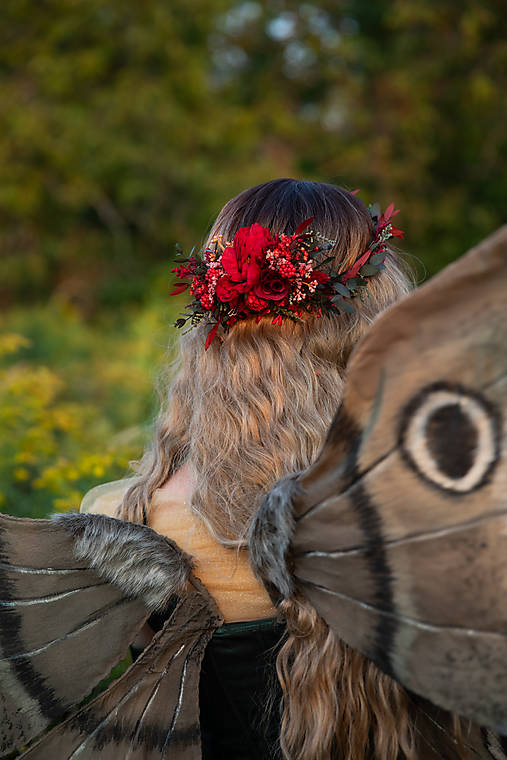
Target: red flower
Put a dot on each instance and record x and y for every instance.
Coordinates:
(271, 286)
(395, 232)
(241, 260)
(184, 271)
(228, 291)
(321, 277)
(385, 219)
(254, 303)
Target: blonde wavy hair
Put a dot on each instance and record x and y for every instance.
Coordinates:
(256, 406)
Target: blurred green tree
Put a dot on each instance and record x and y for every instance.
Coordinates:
(403, 99)
(126, 125)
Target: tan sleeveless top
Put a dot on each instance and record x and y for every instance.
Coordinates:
(225, 572)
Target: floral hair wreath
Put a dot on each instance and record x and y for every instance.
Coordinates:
(262, 274)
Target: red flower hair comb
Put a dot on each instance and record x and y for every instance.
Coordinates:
(280, 275)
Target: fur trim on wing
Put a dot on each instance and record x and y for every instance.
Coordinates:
(270, 536)
(141, 562)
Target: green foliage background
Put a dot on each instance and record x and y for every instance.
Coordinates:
(126, 126)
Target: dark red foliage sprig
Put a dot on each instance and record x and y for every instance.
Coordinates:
(262, 274)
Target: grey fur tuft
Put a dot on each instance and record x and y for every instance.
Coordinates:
(270, 536)
(133, 557)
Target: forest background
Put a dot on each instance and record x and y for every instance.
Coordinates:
(126, 125)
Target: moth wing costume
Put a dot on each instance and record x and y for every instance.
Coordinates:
(397, 536)
(75, 591)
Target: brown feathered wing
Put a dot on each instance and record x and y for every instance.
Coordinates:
(74, 592)
(398, 533)
(152, 711)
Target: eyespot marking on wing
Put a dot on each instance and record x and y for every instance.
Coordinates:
(451, 436)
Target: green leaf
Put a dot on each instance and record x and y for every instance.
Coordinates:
(377, 258)
(342, 289)
(367, 270)
(326, 261)
(342, 304)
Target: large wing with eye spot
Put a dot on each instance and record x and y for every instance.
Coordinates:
(398, 533)
(73, 593)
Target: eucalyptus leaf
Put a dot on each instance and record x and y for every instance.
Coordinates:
(327, 260)
(342, 289)
(367, 270)
(342, 304)
(377, 258)
(374, 210)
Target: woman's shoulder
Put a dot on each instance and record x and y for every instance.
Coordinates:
(105, 498)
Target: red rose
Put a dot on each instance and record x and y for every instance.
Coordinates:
(271, 286)
(226, 290)
(254, 303)
(241, 260)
